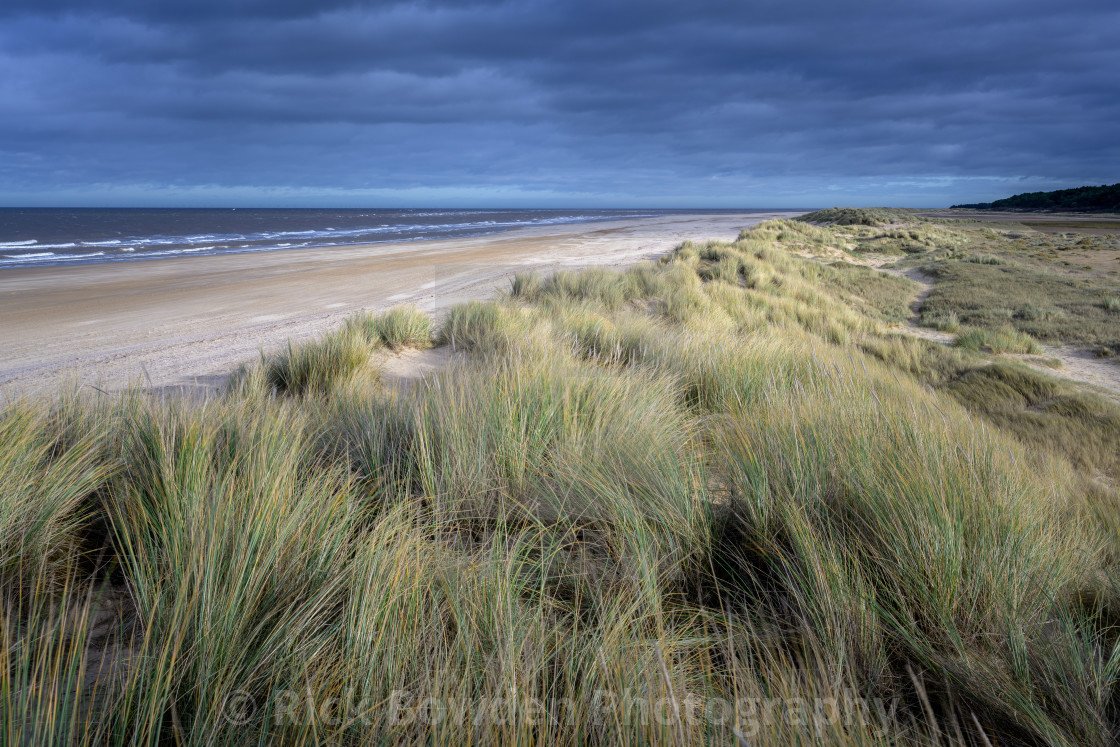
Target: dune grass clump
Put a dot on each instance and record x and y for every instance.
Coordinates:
(1034, 313)
(609, 288)
(47, 489)
(312, 368)
(984, 259)
(398, 328)
(235, 548)
(592, 335)
(526, 285)
(947, 322)
(997, 341)
(952, 542)
(792, 234)
(776, 287)
(542, 439)
(860, 216)
(483, 326)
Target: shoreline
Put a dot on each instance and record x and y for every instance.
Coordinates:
(96, 236)
(187, 322)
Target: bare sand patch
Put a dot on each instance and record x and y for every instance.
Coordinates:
(1078, 365)
(1100, 261)
(402, 369)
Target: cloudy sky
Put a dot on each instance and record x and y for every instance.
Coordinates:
(794, 103)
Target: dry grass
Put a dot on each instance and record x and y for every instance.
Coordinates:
(1028, 296)
(710, 499)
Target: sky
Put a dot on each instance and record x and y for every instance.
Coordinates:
(584, 103)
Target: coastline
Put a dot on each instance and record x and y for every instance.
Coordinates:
(188, 322)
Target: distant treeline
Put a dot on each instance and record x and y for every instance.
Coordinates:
(1102, 199)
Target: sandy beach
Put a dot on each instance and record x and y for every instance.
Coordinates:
(186, 323)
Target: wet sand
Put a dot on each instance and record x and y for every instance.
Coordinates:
(186, 323)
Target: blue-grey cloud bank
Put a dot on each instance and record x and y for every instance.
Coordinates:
(549, 103)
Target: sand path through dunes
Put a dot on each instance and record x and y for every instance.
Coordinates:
(1082, 366)
(188, 322)
(1101, 374)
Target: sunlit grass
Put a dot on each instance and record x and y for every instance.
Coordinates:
(397, 328)
(310, 368)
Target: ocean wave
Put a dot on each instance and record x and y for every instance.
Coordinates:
(50, 256)
(34, 245)
(36, 255)
(358, 232)
(375, 228)
(389, 228)
(69, 245)
(79, 256)
(311, 232)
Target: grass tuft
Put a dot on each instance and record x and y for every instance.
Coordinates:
(947, 322)
(482, 326)
(313, 368)
(398, 328)
(984, 259)
(997, 341)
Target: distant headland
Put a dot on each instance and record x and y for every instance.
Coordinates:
(1102, 199)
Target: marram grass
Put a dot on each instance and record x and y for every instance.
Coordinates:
(398, 328)
(713, 499)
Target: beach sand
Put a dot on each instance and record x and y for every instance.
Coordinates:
(185, 323)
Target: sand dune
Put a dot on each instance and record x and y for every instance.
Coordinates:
(187, 322)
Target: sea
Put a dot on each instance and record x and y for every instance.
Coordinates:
(41, 237)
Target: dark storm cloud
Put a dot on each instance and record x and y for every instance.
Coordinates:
(699, 103)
